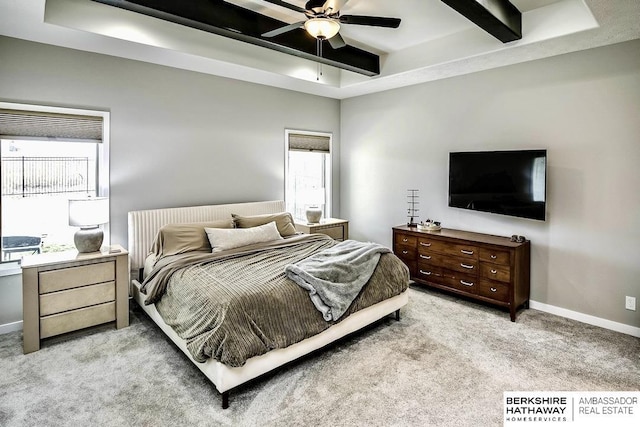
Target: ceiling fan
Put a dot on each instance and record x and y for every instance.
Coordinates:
(324, 19)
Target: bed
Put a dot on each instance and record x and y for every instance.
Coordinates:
(143, 228)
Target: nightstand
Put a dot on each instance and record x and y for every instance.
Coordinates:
(67, 291)
(332, 227)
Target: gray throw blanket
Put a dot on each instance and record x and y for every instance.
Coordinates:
(335, 276)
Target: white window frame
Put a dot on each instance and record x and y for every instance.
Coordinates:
(103, 187)
(328, 172)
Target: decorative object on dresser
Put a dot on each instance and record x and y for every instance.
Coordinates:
(488, 268)
(338, 229)
(314, 199)
(88, 214)
(412, 197)
(67, 291)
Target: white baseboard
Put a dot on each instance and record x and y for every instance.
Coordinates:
(11, 327)
(586, 318)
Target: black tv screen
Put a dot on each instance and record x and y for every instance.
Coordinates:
(503, 182)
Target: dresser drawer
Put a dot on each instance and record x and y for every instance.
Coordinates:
(406, 240)
(462, 282)
(406, 253)
(501, 273)
(77, 319)
(74, 277)
(429, 272)
(494, 290)
(462, 265)
(429, 257)
(448, 248)
(70, 299)
(494, 256)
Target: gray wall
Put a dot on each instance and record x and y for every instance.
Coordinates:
(584, 108)
(178, 138)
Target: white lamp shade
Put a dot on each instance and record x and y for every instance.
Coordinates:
(88, 212)
(322, 28)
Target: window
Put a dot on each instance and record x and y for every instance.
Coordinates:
(307, 172)
(48, 155)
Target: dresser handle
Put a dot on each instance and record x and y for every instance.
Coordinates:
(426, 273)
(470, 267)
(405, 252)
(493, 289)
(425, 256)
(494, 271)
(466, 283)
(425, 244)
(466, 252)
(494, 256)
(405, 240)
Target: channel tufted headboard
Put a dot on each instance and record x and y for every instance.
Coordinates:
(144, 225)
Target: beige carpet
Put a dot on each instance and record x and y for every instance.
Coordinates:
(446, 363)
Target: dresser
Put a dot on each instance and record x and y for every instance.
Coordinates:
(483, 267)
(337, 229)
(67, 291)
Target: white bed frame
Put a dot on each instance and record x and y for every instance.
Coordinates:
(143, 226)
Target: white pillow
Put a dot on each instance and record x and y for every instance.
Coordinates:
(228, 238)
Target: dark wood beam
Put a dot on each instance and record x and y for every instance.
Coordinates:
(500, 18)
(229, 20)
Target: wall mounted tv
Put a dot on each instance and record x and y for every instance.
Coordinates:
(503, 182)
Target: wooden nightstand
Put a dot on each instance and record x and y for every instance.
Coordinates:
(67, 291)
(332, 227)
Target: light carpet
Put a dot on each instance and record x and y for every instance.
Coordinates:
(446, 363)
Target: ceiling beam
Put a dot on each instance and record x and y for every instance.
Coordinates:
(500, 18)
(229, 20)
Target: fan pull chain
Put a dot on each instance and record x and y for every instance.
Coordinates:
(319, 53)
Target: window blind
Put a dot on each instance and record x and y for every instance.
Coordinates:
(315, 143)
(18, 124)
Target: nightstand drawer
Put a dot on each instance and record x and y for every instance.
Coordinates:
(336, 233)
(73, 277)
(57, 302)
(77, 319)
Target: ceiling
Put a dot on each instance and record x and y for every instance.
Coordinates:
(432, 42)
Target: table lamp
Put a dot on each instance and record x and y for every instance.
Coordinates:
(88, 214)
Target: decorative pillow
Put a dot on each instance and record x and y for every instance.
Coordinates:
(175, 239)
(284, 222)
(222, 239)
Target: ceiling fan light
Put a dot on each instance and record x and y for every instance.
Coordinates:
(322, 28)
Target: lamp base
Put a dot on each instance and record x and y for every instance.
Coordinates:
(314, 213)
(88, 239)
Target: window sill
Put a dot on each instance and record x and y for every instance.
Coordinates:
(10, 269)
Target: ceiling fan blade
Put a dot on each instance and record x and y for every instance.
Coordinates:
(375, 21)
(334, 5)
(337, 41)
(287, 5)
(283, 30)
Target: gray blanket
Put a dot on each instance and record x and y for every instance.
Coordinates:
(335, 276)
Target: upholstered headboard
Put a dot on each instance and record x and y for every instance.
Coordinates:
(144, 225)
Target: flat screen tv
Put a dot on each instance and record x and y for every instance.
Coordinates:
(503, 182)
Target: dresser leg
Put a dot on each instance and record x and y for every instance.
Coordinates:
(225, 400)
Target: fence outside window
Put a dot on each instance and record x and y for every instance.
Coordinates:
(29, 176)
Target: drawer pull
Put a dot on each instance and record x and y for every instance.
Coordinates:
(466, 252)
(470, 267)
(426, 273)
(466, 283)
(494, 256)
(425, 256)
(405, 240)
(494, 271)
(405, 252)
(493, 290)
(425, 244)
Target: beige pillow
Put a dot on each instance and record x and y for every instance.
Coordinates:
(175, 239)
(223, 239)
(284, 222)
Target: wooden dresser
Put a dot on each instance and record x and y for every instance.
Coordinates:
(489, 268)
(67, 291)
